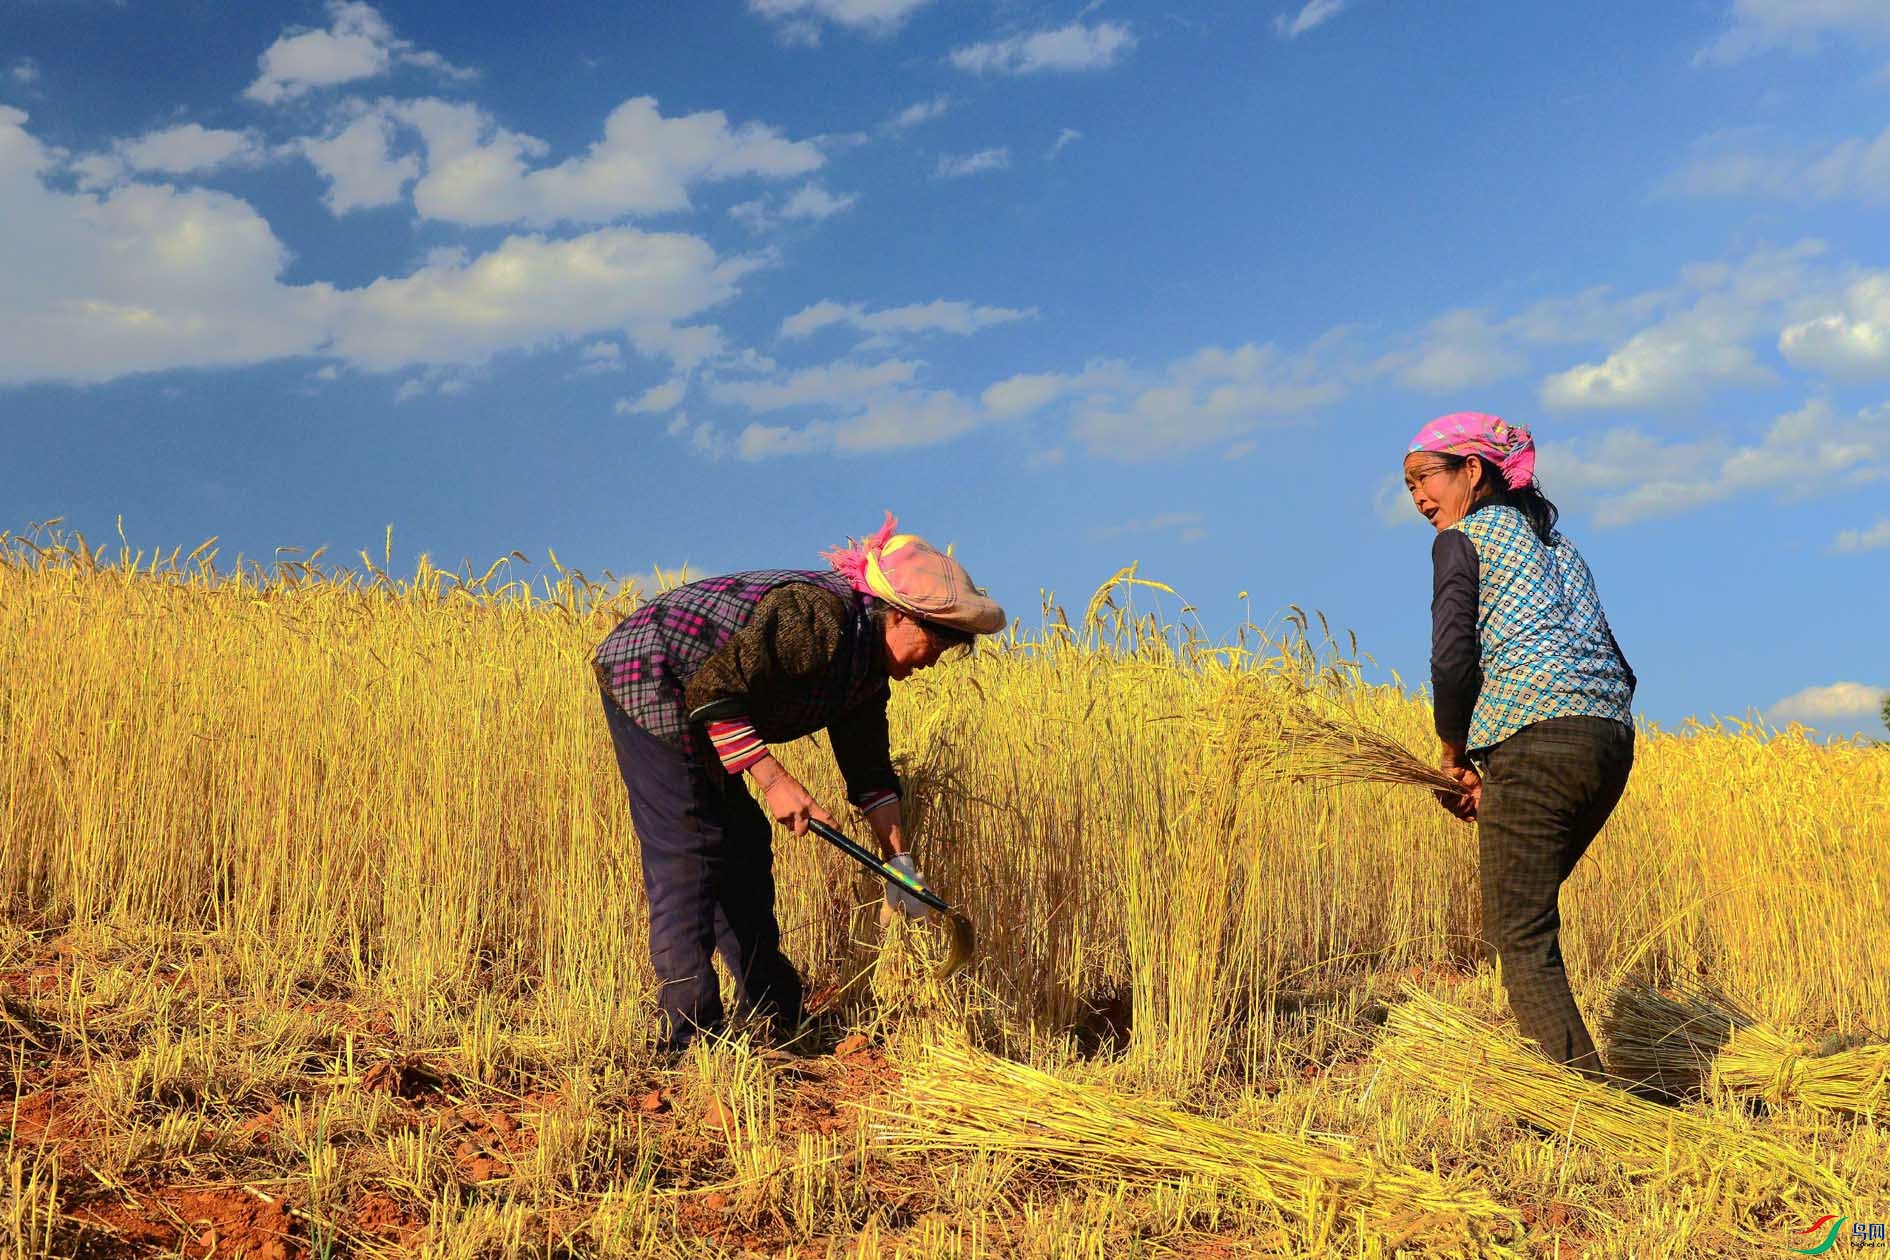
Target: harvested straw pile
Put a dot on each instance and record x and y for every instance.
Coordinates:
(1332, 746)
(962, 1100)
(1435, 1043)
(1679, 1043)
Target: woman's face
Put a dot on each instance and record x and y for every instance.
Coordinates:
(908, 646)
(1443, 495)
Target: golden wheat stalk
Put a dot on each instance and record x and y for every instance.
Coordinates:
(965, 1101)
(1677, 1043)
(1437, 1044)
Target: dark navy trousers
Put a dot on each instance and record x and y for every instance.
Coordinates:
(708, 871)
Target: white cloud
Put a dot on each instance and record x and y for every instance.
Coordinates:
(1458, 350)
(921, 112)
(1851, 343)
(1738, 173)
(1072, 47)
(1065, 138)
(961, 318)
(1698, 347)
(656, 399)
(148, 277)
(1314, 14)
(24, 72)
(1208, 396)
(1840, 702)
(873, 408)
(956, 166)
(800, 19)
(600, 356)
(1592, 317)
(446, 382)
(1100, 381)
(753, 215)
(1626, 475)
(358, 44)
(359, 164)
(1855, 169)
(893, 420)
(747, 361)
(812, 201)
(831, 384)
(1800, 26)
(1851, 541)
(1673, 363)
(1211, 396)
(143, 278)
(530, 291)
(1188, 526)
(684, 346)
(438, 65)
(187, 149)
(479, 173)
(1391, 502)
(1024, 393)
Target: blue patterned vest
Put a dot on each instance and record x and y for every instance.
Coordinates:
(1544, 642)
(649, 658)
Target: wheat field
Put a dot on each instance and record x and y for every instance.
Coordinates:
(324, 936)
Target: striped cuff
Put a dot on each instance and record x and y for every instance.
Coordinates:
(873, 800)
(736, 744)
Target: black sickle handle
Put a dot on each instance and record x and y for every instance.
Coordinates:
(885, 870)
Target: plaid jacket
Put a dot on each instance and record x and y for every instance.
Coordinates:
(1545, 644)
(647, 662)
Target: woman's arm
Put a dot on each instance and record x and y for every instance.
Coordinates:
(1456, 661)
(862, 748)
(790, 640)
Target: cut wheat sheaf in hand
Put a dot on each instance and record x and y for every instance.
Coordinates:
(1336, 747)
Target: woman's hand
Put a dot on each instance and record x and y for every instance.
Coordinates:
(1456, 763)
(789, 802)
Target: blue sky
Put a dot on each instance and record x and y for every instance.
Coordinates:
(1069, 285)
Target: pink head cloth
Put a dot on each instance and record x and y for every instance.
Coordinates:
(1490, 438)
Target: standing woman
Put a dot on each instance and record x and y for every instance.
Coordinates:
(772, 655)
(1532, 697)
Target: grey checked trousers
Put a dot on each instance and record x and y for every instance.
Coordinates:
(1547, 790)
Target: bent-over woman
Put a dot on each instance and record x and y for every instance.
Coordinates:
(774, 654)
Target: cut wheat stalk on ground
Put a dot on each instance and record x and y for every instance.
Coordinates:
(1435, 1044)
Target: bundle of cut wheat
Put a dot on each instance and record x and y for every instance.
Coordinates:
(1677, 1043)
(962, 1100)
(1436, 1043)
(1330, 745)
(1667, 1044)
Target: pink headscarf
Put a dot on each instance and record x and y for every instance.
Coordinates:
(910, 574)
(1489, 438)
